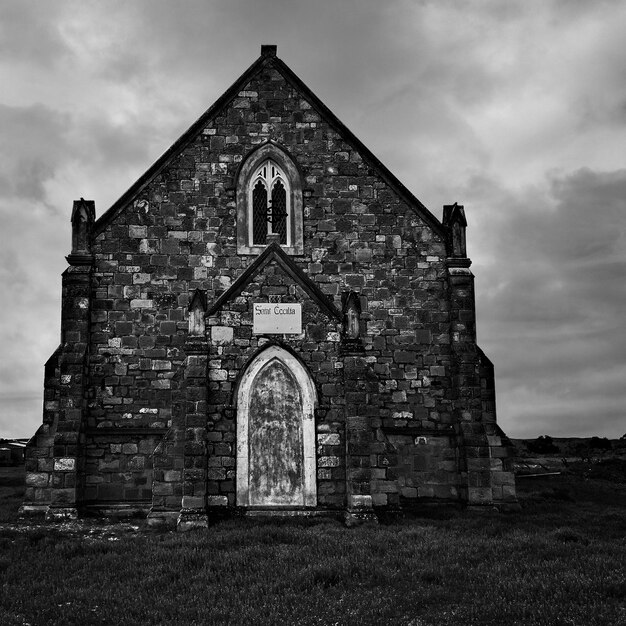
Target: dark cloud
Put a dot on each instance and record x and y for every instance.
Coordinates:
(550, 305)
(31, 261)
(29, 33)
(17, 416)
(33, 143)
(473, 103)
(116, 145)
(38, 143)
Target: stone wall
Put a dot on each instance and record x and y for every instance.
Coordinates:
(180, 236)
(177, 234)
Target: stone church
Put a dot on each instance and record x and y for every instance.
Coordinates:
(266, 322)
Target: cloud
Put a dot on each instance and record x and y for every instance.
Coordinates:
(33, 142)
(550, 298)
(21, 414)
(515, 109)
(31, 261)
(28, 29)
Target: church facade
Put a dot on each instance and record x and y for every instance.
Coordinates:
(266, 322)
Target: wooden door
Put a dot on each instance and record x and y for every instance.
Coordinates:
(276, 433)
(276, 454)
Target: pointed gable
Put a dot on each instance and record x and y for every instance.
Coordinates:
(274, 254)
(268, 67)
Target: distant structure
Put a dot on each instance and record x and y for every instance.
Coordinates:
(12, 452)
(266, 321)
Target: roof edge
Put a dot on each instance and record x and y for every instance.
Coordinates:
(387, 175)
(267, 57)
(274, 252)
(149, 175)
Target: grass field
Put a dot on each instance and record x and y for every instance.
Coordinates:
(560, 561)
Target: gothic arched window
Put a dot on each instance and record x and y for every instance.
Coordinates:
(270, 205)
(269, 201)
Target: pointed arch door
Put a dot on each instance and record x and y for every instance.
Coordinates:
(276, 433)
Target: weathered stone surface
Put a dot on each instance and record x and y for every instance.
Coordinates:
(193, 502)
(328, 461)
(221, 335)
(146, 411)
(329, 439)
(217, 501)
(34, 479)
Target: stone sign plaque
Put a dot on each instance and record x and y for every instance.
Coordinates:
(276, 319)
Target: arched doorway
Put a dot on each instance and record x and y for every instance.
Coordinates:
(276, 433)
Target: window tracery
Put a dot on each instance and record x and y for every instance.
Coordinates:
(269, 202)
(270, 205)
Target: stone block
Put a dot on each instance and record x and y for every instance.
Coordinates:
(360, 502)
(425, 491)
(379, 499)
(64, 465)
(168, 328)
(500, 453)
(218, 375)
(193, 502)
(220, 501)
(444, 492)
(44, 465)
(478, 464)
(328, 461)
(479, 495)
(328, 439)
(408, 492)
(137, 232)
(508, 492)
(161, 365)
(404, 356)
(62, 497)
(171, 476)
(141, 304)
(222, 449)
(107, 465)
(325, 488)
(216, 474)
(37, 479)
(398, 396)
(163, 489)
(496, 464)
(221, 335)
(137, 463)
(386, 486)
(423, 336)
(386, 460)
(402, 415)
(146, 446)
(503, 478)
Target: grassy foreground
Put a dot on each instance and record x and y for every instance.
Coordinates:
(560, 561)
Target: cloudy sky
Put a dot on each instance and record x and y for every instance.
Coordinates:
(516, 109)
